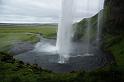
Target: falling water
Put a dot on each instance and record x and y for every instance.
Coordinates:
(88, 29)
(65, 31)
(99, 22)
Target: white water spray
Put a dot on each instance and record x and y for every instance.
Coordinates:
(65, 31)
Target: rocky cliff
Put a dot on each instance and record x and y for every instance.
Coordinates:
(113, 29)
(114, 21)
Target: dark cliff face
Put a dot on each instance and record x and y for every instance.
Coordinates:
(114, 22)
(113, 30)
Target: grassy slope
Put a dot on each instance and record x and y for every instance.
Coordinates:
(17, 71)
(113, 40)
(82, 25)
(115, 45)
(118, 52)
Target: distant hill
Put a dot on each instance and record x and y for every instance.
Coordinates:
(27, 24)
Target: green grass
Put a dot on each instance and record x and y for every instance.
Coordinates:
(115, 45)
(11, 34)
(45, 30)
(16, 71)
(118, 52)
(7, 39)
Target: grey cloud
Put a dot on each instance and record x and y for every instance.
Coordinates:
(41, 10)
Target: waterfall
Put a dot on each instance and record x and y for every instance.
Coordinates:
(87, 35)
(88, 29)
(65, 29)
(99, 22)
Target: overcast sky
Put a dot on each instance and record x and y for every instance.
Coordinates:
(43, 11)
